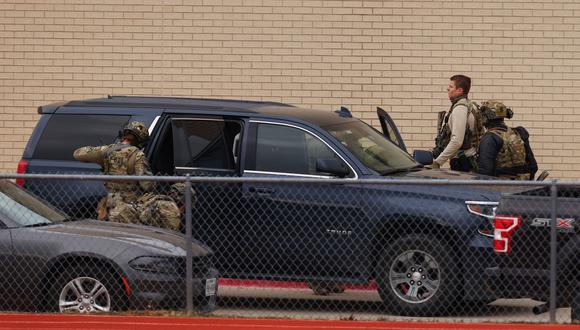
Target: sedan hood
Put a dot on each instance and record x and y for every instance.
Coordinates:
(155, 240)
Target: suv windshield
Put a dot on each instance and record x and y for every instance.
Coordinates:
(371, 147)
(24, 209)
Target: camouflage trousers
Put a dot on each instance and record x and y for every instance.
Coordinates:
(149, 209)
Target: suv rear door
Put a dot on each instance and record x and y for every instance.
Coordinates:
(206, 145)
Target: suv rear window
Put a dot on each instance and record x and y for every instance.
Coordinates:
(65, 133)
(204, 143)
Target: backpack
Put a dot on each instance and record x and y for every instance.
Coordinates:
(531, 162)
(472, 137)
(478, 127)
(513, 151)
(516, 152)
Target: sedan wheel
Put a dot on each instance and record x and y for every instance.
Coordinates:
(87, 290)
(84, 295)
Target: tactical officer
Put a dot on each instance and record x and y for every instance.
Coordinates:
(459, 134)
(504, 152)
(130, 201)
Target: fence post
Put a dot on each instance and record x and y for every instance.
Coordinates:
(188, 248)
(553, 249)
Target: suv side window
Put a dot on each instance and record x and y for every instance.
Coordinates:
(65, 133)
(286, 149)
(204, 143)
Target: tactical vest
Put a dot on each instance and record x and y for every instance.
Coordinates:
(471, 138)
(120, 160)
(513, 151)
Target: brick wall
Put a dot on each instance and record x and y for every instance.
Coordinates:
(320, 54)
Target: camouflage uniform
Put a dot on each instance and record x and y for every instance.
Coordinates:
(504, 152)
(130, 201)
(177, 192)
(159, 211)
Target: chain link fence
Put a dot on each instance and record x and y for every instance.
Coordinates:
(311, 248)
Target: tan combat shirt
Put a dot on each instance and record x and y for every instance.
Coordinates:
(458, 121)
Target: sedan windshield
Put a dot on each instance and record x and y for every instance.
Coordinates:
(24, 209)
(371, 147)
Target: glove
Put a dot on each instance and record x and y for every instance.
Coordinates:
(435, 165)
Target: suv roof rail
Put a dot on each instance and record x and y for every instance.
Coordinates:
(179, 98)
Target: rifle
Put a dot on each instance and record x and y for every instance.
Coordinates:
(441, 139)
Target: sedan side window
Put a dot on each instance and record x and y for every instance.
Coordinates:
(285, 149)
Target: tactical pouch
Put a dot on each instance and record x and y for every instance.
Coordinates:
(463, 163)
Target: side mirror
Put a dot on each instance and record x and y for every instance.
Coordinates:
(332, 166)
(423, 157)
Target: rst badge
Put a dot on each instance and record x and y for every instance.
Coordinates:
(565, 225)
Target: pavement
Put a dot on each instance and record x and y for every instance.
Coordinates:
(263, 299)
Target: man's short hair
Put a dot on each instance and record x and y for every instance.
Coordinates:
(462, 81)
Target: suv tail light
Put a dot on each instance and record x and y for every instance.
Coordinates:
(503, 228)
(21, 169)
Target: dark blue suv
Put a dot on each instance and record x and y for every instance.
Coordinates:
(425, 246)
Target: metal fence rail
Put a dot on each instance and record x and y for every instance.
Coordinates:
(293, 247)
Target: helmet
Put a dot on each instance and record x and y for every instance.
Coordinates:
(137, 129)
(493, 109)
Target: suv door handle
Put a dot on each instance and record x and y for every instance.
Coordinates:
(261, 191)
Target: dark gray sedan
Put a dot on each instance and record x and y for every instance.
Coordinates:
(51, 262)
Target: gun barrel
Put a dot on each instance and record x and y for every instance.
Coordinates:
(440, 119)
